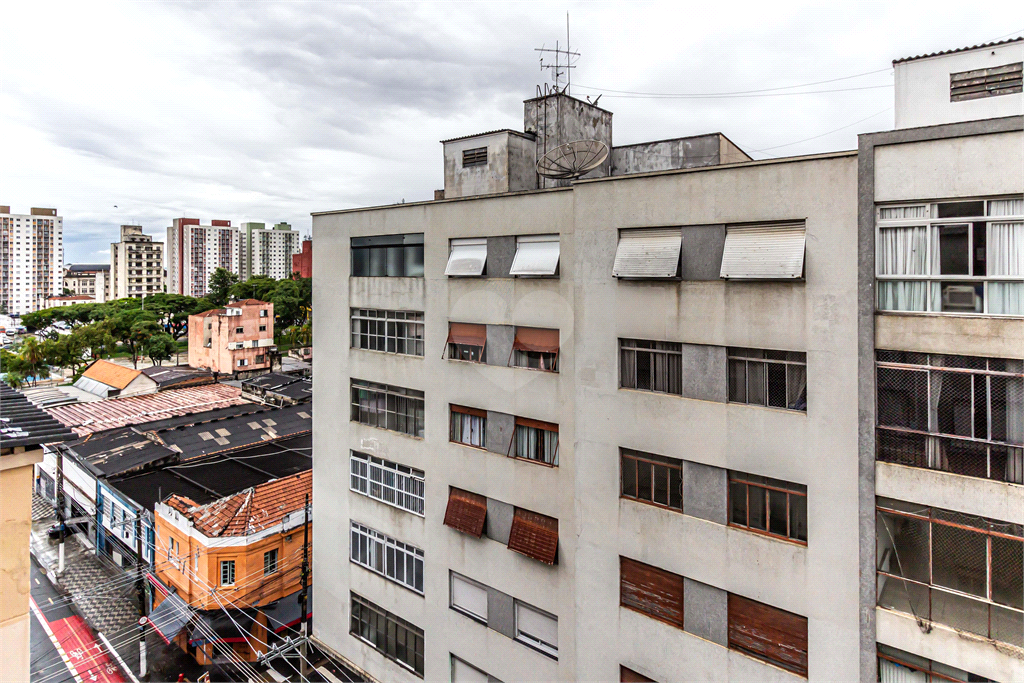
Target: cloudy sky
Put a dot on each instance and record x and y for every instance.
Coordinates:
(267, 111)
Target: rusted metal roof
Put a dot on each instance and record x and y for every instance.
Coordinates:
(466, 512)
(959, 49)
(96, 416)
(534, 535)
(23, 424)
(111, 374)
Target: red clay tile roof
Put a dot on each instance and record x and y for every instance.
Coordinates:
(96, 416)
(249, 511)
(111, 374)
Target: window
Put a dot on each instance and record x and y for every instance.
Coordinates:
(474, 157)
(953, 257)
(389, 331)
(772, 251)
(270, 562)
(535, 348)
(991, 82)
(260, 359)
(227, 572)
(392, 636)
(239, 330)
(463, 672)
(263, 313)
(536, 255)
(242, 362)
(627, 675)
(388, 256)
(957, 569)
(536, 440)
(534, 535)
(652, 479)
(389, 557)
(768, 633)
(469, 597)
(466, 512)
(958, 414)
(468, 426)
(651, 366)
(648, 253)
(898, 666)
(777, 379)
(770, 506)
(467, 257)
(537, 628)
(389, 407)
(263, 328)
(651, 591)
(467, 342)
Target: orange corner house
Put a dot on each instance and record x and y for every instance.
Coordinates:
(237, 339)
(237, 564)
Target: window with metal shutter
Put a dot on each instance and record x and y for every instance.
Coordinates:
(534, 535)
(536, 255)
(764, 252)
(469, 597)
(997, 80)
(648, 253)
(467, 258)
(652, 591)
(466, 512)
(768, 633)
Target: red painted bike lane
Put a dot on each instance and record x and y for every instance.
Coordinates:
(83, 653)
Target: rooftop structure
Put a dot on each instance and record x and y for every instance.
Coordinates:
(106, 379)
(237, 340)
(278, 389)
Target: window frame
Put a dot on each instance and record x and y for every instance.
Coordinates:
(391, 624)
(228, 565)
(412, 397)
(676, 352)
(528, 640)
(387, 470)
(735, 354)
(527, 423)
(272, 555)
(654, 460)
(472, 414)
(393, 321)
(472, 157)
(480, 619)
(382, 549)
(735, 477)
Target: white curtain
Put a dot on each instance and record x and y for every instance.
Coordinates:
(890, 672)
(1006, 207)
(1005, 256)
(902, 251)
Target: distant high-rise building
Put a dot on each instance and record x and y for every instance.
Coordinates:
(136, 265)
(194, 251)
(92, 279)
(31, 259)
(267, 251)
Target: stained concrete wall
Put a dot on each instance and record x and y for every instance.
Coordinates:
(522, 163)
(499, 344)
(663, 155)
(491, 178)
(501, 251)
(559, 119)
(705, 492)
(701, 252)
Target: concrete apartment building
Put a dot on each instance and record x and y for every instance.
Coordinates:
(136, 265)
(267, 251)
(237, 339)
(302, 262)
(195, 251)
(90, 279)
(31, 259)
(642, 381)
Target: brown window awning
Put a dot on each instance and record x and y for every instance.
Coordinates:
(465, 410)
(537, 424)
(534, 535)
(655, 592)
(466, 512)
(536, 339)
(467, 333)
(769, 633)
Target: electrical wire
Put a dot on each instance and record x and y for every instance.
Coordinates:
(730, 97)
(834, 130)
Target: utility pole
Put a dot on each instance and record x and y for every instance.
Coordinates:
(60, 507)
(140, 585)
(304, 596)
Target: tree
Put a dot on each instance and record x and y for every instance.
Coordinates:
(34, 358)
(132, 328)
(174, 310)
(287, 301)
(38, 320)
(96, 340)
(257, 287)
(159, 347)
(220, 285)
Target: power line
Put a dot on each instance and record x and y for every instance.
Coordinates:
(834, 130)
(736, 97)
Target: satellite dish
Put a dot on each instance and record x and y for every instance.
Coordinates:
(572, 159)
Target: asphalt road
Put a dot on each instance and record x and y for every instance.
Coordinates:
(47, 665)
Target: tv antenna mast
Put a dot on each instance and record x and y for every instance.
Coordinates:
(565, 61)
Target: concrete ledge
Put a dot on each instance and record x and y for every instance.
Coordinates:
(954, 334)
(975, 654)
(984, 497)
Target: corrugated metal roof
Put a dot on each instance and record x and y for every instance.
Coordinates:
(959, 49)
(111, 374)
(649, 252)
(269, 424)
(764, 252)
(96, 416)
(23, 424)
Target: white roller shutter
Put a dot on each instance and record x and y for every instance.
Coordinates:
(537, 628)
(536, 255)
(648, 253)
(467, 257)
(764, 252)
(469, 597)
(464, 673)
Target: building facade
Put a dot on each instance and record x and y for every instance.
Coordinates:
(68, 300)
(91, 279)
(237, 339)
(136, 265)
(31, 259)
(195, 251)
(267, 251)
(302, 263)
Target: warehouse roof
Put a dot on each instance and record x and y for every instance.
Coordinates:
(23, 424)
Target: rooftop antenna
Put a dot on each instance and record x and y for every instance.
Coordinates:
(564, 60)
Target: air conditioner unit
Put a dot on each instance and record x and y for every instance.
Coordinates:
(958, 298)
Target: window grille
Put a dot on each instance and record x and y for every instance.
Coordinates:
(468, 426)
(390, 331)
(651, 366)
(991, 82)
(270, 562)
(474, 157)
(777, 379)
(536, 440)
(769, 506)
(387, 556)
(387, 481)
(392, 636)
(956, 569)
(958, 414)
(227, 572)
(652, 479)
(388, 407)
